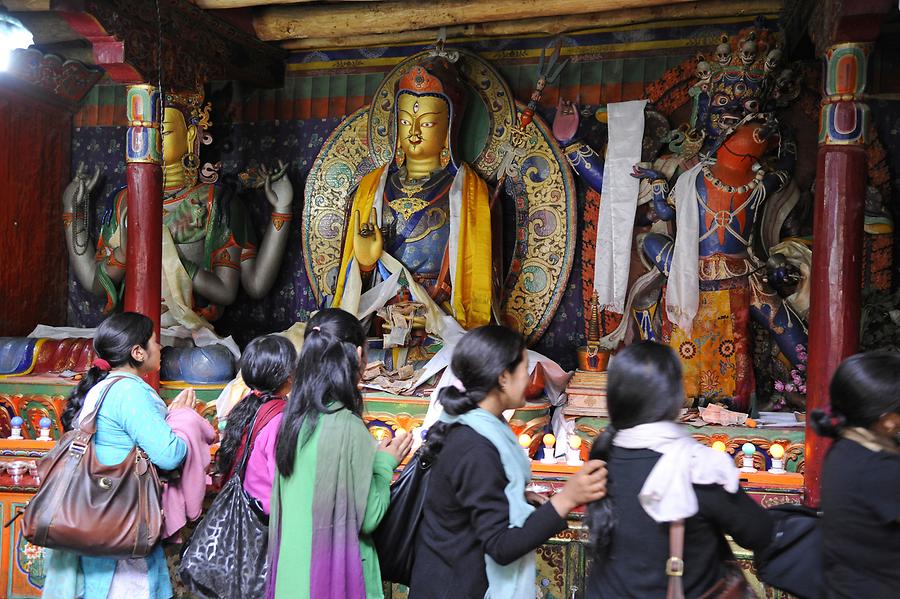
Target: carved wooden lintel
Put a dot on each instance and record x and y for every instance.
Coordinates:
(196, 46)
(52, 78)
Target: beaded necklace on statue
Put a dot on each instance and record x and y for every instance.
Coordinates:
(719, 184)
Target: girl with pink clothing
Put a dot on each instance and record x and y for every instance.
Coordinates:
(266, 367)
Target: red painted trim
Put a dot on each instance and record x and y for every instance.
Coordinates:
(109, 52)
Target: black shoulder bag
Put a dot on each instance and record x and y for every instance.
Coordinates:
(395, 537)
(795, 561)
(226, 555)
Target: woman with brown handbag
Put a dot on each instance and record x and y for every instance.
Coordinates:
(660, 531)
(130, 414)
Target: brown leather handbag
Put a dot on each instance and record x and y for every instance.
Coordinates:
(92, 509)
(731, 586)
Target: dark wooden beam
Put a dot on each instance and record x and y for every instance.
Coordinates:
(196, 46)
(838, 21)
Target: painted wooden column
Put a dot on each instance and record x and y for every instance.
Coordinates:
(837, 236)
(143, 157)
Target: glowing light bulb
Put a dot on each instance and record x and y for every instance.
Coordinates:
(525, 444)
(748, 449)
(776, 451)
(573, 455)
(549, 441)
(16, 432)
(45, 423)
(719, 446)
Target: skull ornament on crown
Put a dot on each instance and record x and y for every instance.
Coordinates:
(747, 77)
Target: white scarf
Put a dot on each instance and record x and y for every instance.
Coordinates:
(683, 289)
(668, 493)
(618, 204)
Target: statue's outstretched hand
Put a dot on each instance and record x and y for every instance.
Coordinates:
(278, 188)
(80, 187)
(368, 244)
(640, 172)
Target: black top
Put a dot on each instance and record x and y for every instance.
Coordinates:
(860, 527)
(636, 563)
(467, 515)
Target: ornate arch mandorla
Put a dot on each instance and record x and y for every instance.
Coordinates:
(536, 176)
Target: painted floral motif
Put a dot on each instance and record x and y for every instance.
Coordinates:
(726, 348)
(709, 382)
(687, 350)
(795, 382)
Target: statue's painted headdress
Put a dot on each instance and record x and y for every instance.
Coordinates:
(436, 76)
(196, 113)
(745, 76)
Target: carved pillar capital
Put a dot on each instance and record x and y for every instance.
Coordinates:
(143, 141)
(845, 118)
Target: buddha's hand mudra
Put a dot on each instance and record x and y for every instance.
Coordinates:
(278, 188)
(80, 188)
(368, 244)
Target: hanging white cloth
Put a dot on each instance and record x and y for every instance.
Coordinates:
(683, 288)
(619, 200)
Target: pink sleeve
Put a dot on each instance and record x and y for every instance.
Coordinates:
(261, 466)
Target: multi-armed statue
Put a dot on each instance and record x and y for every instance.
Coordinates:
(209, 248)
(729, 163)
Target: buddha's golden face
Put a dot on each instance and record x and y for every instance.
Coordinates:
(423, 123)
(177, 138)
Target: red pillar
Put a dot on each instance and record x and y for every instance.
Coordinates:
(837, 237)
(143, 275)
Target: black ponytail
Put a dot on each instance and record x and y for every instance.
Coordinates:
(76, 399)
(827, 425)
(113, 342)
(328, 371)
(864, 388)
(266, 365)
(600, 517)
(480, 357)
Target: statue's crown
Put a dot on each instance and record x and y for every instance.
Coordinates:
(191, 104)
(435, 75)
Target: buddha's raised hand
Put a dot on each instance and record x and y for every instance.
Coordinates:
(368, 244)
(80, 187)
(278, 188)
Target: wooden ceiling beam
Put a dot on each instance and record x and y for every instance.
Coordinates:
(226, 4)
(365, 18)
(551, 25)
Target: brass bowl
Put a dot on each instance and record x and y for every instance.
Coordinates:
(593, 359)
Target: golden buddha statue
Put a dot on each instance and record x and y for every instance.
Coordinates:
(209, 248)
(422, 223)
